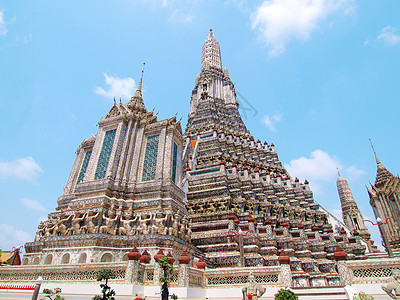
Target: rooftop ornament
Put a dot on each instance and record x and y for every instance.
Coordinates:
(240, 234)
(378, 223)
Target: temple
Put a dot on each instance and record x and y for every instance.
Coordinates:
(384, 197)
(123, 190)
(217, 201)
(236, 183)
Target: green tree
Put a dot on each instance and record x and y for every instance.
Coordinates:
(284, 294)
(53, 293)
(107, 292)
(167, 270)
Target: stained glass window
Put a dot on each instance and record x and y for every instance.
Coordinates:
(174, 160)
(84, 166)
(150, 158)
(105, 154)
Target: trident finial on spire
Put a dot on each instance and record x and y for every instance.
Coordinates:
(141, 78)
(378, 162)
(337, 169)
(139, 87)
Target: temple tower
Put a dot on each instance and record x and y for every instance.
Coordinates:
(352, 216)
(384, 197)
(123, 190)
(236, 185)
(213, 102)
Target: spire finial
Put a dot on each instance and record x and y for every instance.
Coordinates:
(139, 87)
(378, 162)
(337, 169)
(141, 78)
(211, 33)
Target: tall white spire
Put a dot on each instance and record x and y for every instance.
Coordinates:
(211, 54)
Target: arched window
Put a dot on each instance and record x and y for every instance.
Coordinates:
(82, 258)
(48, 259)
(25, 261)
(125, 258)
(65, 258)
(107, 257)
(36, 261)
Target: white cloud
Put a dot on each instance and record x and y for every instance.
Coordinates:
(33, 204)
(3, 25)
(271, 121)
(389, 36)
(179, 17)
(280, 21)
(11, 237)
(320, 168)
(353, 173)
(24, 168)
(117, 87)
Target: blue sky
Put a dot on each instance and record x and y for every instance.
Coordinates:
(316, 78)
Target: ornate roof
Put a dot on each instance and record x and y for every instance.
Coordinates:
(382, 174)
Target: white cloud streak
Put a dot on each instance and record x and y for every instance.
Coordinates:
(389, 36)
(280, 21)
(271, 121)
(319, 169)
(24, 168)
(11, 237)
(33, 204)
(117, 87)
(180, 17)
(3, 25)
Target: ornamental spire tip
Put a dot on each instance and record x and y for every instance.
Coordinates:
(378, 162)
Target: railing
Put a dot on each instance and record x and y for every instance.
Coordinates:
(238, 277)
(196, 277)
(373, 271)
(65, 273)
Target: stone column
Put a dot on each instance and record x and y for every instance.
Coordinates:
(286, 273)
(183, 271)
(132, 270)
(183, 275)
(344, 272)
(158, 273)
(341, 264)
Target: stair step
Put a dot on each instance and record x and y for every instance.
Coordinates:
(321, 293)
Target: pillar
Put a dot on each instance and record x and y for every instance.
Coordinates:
(183, 275)
(132, 270)
(286, 273)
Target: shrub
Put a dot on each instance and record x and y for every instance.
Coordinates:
(284, 294)
(363, 296)
(107, 292)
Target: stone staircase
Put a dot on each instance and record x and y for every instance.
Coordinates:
(321, 293)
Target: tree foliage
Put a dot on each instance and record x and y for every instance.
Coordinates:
(168, 270)
(106, 291)
(284, 294)
(363, 296)
(53, 293)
